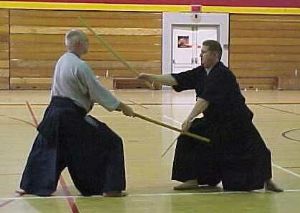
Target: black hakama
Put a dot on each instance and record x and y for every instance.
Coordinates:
(67, 137)
(237, 154)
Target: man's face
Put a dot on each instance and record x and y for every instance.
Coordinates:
(208, 58)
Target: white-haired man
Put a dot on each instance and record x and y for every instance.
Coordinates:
(68, 137)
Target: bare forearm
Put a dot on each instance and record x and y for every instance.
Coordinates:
(199, 107)
(163, 79)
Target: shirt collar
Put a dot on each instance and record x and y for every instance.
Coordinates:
(208, 70)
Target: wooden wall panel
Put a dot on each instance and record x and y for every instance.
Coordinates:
(37, 41)
(264, 49)
(4, 49)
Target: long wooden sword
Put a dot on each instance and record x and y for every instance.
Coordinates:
(195, 136)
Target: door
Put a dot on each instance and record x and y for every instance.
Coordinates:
(186, 45)
(183, 34)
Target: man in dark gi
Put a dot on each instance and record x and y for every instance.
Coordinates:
(68, 137)
(237, 154)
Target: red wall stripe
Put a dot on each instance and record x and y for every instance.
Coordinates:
(234, 3)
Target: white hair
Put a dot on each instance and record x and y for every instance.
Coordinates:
(72, 37)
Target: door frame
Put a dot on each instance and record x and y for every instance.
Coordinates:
(170, 19)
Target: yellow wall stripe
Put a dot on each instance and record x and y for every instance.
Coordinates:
(144, 7)
(251, 10)
(94, 6)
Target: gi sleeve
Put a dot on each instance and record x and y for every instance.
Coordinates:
(185, 80)
(97, 92)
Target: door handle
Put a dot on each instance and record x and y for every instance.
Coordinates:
(192, 60)
(196, 60)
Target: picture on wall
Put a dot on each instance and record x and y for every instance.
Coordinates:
(183, 42)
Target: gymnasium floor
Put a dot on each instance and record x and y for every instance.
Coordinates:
(277, 116)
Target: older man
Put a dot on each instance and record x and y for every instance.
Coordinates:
(68, 137)
(237, 155)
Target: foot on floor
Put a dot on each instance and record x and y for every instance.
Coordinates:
(20, 192)
(187, 185)
(271, 186)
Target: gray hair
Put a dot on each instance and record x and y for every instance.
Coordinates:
(72, 37)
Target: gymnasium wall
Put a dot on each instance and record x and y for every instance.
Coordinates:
(263, 49)
(4, 49)
(37, 41)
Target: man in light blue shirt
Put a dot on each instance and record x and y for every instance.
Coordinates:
(68, 137)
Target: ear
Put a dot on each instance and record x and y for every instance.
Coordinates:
(215, 53)
(78, 44)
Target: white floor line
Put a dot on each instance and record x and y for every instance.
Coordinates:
(163, 194)
(207, 193)
(146, 195)
(286, 170)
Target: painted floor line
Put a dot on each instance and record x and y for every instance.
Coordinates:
(286, 170)
(148, 195)
(207, 193)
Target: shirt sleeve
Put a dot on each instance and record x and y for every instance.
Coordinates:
(97, 92)
(185, 80)
(217, 87)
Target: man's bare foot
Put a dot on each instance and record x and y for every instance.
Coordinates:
(114, 194)
(189, 184)
(271, 186)
(20, 192)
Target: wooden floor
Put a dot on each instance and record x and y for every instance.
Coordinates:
(277, 116)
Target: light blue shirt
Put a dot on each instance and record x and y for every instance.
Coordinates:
(74, 79)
